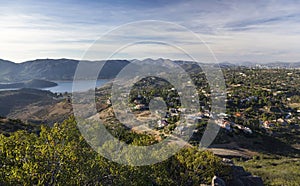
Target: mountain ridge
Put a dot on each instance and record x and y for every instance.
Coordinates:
(64, 69)
(54, 69)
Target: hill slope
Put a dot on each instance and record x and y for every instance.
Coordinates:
(54, 69)
(35, 83)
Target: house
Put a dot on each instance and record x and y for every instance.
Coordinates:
(218, 121)
(108, 102)
(162, 123)
(167, 115)
(173, 112)
(247, 130)
(288, 116)
(139, 107)
(195, 119)
(191, 119)
(124, 95)
(238, 114)
(240, 127)
(268, 125)
(226, 125)
(206, 114)
(179, 130)
(182, 109)
(282, 122)
(137, 101)
(243, 74)
(223, 115)
(160, 112)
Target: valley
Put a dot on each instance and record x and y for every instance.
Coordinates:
(261, 118)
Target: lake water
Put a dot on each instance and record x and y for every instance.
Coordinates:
(66, 86)
(84, 85)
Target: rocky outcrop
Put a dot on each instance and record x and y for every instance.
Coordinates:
(244, 178)
(240, 177)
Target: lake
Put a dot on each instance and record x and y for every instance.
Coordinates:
(66, 86)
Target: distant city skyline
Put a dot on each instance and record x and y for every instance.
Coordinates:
(258, 31)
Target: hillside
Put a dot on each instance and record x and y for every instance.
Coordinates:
(64, 69)
(35, 83)
(8, 126)
(12, 101)
(7, 69)
(54, 69)
(255, 98)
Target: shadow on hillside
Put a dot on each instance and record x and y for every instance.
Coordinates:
(260, 143)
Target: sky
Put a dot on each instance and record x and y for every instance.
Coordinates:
(235, 31)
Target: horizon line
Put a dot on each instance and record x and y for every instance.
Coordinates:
(146, 58)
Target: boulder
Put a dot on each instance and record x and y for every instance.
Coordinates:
(216, 181)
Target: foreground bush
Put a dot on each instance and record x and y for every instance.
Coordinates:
(60, 156)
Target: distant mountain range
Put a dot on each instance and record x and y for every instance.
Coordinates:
(64, 69)
(278, 64)
(54, 69)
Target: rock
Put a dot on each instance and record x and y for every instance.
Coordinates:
(239, 171)
(251, 180)
(216, 181)
(244, 178)
(227, 161)
(240, 177)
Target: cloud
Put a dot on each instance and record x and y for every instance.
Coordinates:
(235, 30)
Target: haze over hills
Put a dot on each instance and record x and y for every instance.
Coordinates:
(64, 69)
(53, 69)
(277, 64)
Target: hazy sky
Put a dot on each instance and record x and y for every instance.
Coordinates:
(259, 31)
